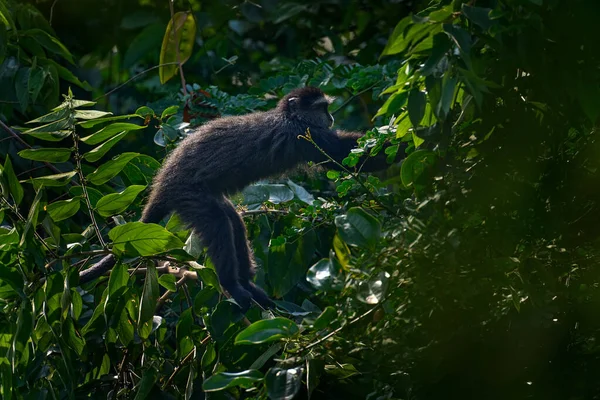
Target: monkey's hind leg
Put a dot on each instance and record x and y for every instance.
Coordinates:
(205, 213)
(245, 256)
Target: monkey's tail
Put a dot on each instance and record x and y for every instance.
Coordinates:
(153, 212)
(97, 269)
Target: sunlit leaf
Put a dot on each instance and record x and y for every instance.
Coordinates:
(145, 239)
(177, 44)
(98, 152)
(46, 154)
(267, 330)
(225, 380)
(115, 203)
(63, 209)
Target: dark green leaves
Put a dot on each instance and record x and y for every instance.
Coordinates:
(98, 152)
(415, 164)
(143, 239)
(416, 106)
(46, 154)
(267, 330)
(10, 183)
(358, 228)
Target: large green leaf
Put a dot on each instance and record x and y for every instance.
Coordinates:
(110, 169)
(63, 209)
(358, 228)
(46, 154)
(51, 180)
(10, 183)
(115, 203)
(49, 42)
(144, 239)
(109, 131)
(415, 164)
(150, 296)
(225, 380)
(267, 330)
(98, 152)
(416, 106)
(177, 44)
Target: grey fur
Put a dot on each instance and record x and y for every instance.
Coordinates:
(226, 155)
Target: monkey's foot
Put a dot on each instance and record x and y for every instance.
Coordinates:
(258, 295)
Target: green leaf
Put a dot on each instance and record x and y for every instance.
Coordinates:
(109, 131)
(342, 252)
(149, 378)
(396, 43)
(10, 182)
(93, 194)
(144, 111)
(441, 46)
(225, 380)
(32, 216)
(98, 152)
(177, 44)
(72, 337)
(441, 15)
(21, 85)
(283, 384)
(49, 42)
(68, 76)
(110, 169)
(416, 106)
(326, 318)
(148, 301)
(168, 281)
(51, 180)
(479, 15)
(169, 111)
(94, 122)
(54, 131)
(267, 330)
(145, 239)
(90, 114)
(63, 209)
(115, 203)
(462, 39)
(118, 279)
(358, 228)
(415, 164)
(53, 116)
(46, 154)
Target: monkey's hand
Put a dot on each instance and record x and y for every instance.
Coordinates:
(241, 296)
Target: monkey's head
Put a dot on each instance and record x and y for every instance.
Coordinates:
(308, 105)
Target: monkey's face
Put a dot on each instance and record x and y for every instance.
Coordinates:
(313, 112)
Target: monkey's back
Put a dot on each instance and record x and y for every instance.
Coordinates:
(228, 154)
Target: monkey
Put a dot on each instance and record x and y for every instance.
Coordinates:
(224, 156)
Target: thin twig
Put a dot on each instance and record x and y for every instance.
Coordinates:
(344, 104)
(132, 78)
(84, 188)
(258, 212)
(335, 331)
